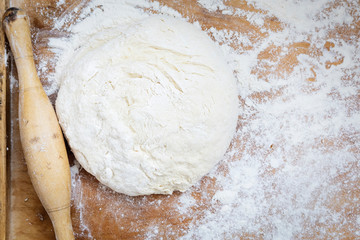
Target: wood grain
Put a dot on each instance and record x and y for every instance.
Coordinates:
(93, 204)
(3, 165)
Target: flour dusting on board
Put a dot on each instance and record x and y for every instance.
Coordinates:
(293, 169)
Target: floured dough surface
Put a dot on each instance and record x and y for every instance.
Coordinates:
(150, 107)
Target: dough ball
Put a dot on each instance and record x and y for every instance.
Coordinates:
(149, 109)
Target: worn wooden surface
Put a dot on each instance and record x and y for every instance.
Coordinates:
(28, 219)
(3, 165)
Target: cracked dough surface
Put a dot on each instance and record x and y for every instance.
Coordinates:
(150, 107)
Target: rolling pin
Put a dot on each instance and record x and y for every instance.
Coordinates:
(41, 137)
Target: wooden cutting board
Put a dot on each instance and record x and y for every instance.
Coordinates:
(96, 209)
(3, 169)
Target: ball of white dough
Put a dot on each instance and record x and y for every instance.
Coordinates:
(149, 110)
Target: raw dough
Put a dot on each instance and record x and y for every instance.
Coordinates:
(148, 109)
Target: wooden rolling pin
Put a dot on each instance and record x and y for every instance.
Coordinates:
(41, 137)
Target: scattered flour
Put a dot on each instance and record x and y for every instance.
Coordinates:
(294, 165)
(60, 2)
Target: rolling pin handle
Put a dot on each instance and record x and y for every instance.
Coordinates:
(11, 14)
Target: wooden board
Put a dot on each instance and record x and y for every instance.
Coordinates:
(3, 169)
(93, 203)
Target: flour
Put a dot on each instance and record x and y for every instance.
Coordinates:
(60, 2)
(295, 165)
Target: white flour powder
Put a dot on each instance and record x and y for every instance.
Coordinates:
(294, 169)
